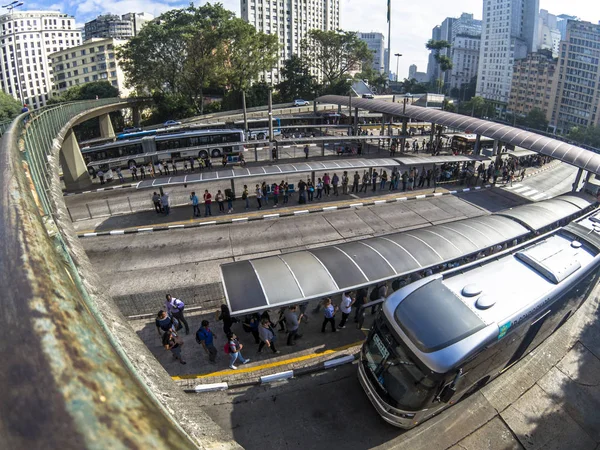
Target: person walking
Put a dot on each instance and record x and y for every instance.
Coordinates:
(165, 322)
(120, 175)
(175, 308)
(346, 308)
(220, 198)
(319, 189)
(225, 315)
(195, 204)
(292, 322)
(335, 181)
(100, 174)
(164, 201)
(345, 180)
(258, 196)
(172, 342)
(267, 336)
(306, 152)
(205, 337)
(329, 312)
(234, 348)
(365, 182)
(245, 197)
(355, 182)
(156, 201)
(359, 300)
(207, 202)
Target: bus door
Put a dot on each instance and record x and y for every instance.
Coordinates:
(175, 156)
(528, 339)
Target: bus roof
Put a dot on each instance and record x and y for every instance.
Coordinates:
(470, 137)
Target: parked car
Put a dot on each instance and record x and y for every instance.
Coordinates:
(131, 129)
(300, 102)
(368, 96)
(170, 123)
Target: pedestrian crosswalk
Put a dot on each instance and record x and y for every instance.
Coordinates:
(526, 191)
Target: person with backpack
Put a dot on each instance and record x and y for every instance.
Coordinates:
(175, 308)
(174, 343)
(165, 322)
(205, 337)
(234, 349)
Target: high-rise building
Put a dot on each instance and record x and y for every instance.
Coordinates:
(376, 44)
(577, 99)
(509, 32)
(561, 24)
(432, 65)
(548, 33)
(94, 60)
(532, 82)
(113, 26)
(465, 40)
(413, 74)
(28, 38)
(290, 21)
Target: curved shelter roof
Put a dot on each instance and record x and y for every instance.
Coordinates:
(570, 154)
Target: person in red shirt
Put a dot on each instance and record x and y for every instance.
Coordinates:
(207, 202)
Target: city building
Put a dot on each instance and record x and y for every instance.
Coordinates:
(509, 32)
(28, 38)
(549, 35)
(577, 98)
(420, 77)
(465, 60)
(532, 83)
(376, 44)
(94, 60)
(113, 26)
(561, 24)
(290, 21)
(432, 65)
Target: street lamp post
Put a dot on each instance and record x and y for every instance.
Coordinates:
(10, 7)
(397, 55)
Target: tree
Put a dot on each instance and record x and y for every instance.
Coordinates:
(335, 53)
(9, 107)
(297, 80)
(88, 91)
(444, 62)
(536, 119)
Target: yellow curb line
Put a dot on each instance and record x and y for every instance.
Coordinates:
(268, 365)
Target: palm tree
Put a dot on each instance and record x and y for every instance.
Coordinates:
(444, 62)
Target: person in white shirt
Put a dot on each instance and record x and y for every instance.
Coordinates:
(175, 307)
(346, 308)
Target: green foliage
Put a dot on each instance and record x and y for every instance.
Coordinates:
(536, 118)
(191, 50)
(587, 136)
(88, 91)
(9, 107)
(412, 86)
(335, 53)
(444, 62)
(297, 80)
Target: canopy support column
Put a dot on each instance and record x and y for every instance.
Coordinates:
(577, 180)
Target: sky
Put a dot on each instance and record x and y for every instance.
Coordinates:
(412, 21)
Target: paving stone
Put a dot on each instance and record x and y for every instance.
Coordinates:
(494, 435)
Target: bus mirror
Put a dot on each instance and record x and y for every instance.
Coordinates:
(447, 393)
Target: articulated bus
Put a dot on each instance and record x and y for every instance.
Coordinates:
(143, 150)
(440, 339)
(259, 128)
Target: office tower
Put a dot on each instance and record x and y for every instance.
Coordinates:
(465, 40)
(376, 44)
(548, 33)
(432, 65)
(290, 21)
(114, 26)
(28, 38)
(413, 73)
(509, 32)
(577, 98)
(532, 82)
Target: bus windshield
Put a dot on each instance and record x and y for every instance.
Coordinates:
(404, 384)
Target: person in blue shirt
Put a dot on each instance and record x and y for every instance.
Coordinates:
(205, 337)
(329, 312)
(195, 204)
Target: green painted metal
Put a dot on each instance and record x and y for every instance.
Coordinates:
(66, 382)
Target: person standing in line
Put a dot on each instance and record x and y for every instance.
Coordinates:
(160, 167)
(174, 344)
(234, 348)
(267, 336)
(265, 192)
(360, 299)
(334, 182)
(428, 177)
(286, 192)
(175, 308)
(100, 174)
(365, 182)
(319, 189)
(205, 337)
(191, 164)
(174, 166)
(329, 312)
(374, 179)
(245, 197)
(207, 202)
(229, 198)
(220, 198)
(275, 189)
(156, 201)
(120, 175)
(384, 177)
(164, 201)
(195, 204)
(311, 191)
(258, 196)
(345, 183)
(166, 168)
(346, 308)
(415, 178)
(326, 181)
(142, 172)
(292, 322)
(355, 182)
(306, 151)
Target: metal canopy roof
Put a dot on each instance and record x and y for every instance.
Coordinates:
(571, 154)
(303, 166)
(289, 278)
(541, 214)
